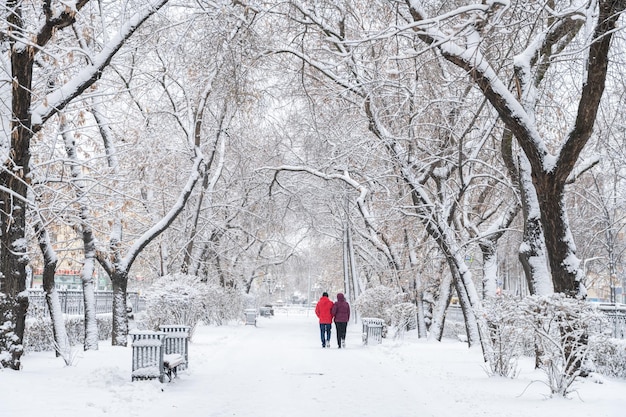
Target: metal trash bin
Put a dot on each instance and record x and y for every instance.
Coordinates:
(250, 315)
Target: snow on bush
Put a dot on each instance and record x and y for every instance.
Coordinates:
(609, 357)
(565, 334)
(38, 336)
(403, 317)
(377, 301)
(508, 336)
(380, 302)
(186, 300)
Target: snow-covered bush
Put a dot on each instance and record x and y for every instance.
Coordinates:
(403, 317)
(563, 329)
(38, 336)
(185, 299)
(508, 336)
(221, 304)
(609, 357)
(377, 302)
(175, 299)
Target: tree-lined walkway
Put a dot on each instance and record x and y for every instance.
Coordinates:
(279, 369)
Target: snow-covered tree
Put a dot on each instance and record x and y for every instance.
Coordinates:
(30, 98)
(551, 155)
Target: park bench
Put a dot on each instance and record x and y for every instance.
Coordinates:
(156, 354)
(177, 342)
(372, 330)
(250, 316)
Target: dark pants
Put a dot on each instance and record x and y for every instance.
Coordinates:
(325, 329)
(341, 332)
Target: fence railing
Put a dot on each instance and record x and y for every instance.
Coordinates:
(72, 302)
(616, 316)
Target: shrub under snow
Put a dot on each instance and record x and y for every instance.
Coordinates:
(508, 336)
(38, 336)
(376, 302)
(186, 300)
(565, 332)
(403, 317)
(387, 304)
(609, 357)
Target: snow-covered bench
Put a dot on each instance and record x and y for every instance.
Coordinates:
(177, 342)
(151, 357)
(148, 350)
(372, 330)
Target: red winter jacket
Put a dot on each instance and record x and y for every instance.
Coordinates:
(322, 310)
(341, 309)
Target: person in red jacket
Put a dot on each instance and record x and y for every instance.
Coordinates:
(341, 314)
(322, 310)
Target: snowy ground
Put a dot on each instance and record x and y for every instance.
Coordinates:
(279, 369)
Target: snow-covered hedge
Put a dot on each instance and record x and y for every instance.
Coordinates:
(566, 333)
(509, 337)
(185, 299)
(609, 357)
(38, 336)
(403, 317)
(391, 306)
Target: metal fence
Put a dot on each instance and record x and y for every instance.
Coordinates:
(72, 302)
(616, 317)
(615, 314)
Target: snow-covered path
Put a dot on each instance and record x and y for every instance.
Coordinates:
(279, 369)
(280, 365)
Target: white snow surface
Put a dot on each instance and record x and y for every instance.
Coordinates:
(279, 369)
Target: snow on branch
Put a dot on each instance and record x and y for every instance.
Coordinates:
(362, 206)
(472, 60)
(168, 219)
(59, 98)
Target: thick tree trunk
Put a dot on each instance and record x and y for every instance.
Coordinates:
(15, 178)
(119, 281)
(564, 265)
(532, 253)
(490, 269)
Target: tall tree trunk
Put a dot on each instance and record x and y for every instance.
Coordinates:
(532, 254)
(119, 281)
(14, 177)
(490, 269)
(566, 273)
(88, 238)
(61, 340)
(441, 305)
(417, 287)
